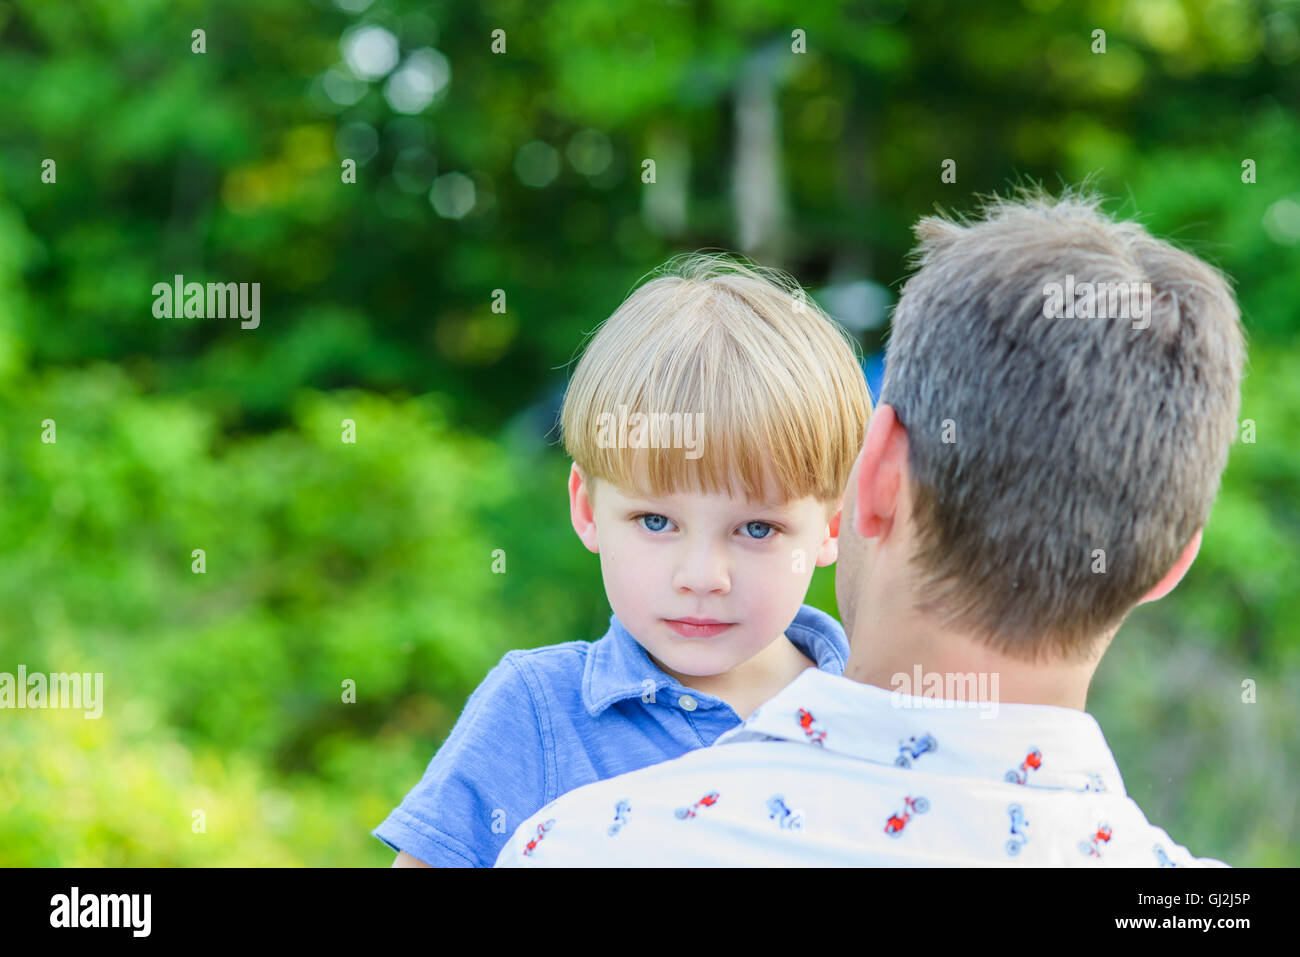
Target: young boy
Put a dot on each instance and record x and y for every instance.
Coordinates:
(712, 422)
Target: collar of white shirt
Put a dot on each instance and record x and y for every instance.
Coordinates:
(1041, 746)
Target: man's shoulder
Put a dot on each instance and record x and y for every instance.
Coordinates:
(781, 802)
(718, 761)
(652, 787)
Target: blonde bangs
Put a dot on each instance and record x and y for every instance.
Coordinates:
(719, 380)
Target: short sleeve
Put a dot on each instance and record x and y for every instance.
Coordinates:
(488, 776)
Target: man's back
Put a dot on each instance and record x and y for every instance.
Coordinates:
(835, 773)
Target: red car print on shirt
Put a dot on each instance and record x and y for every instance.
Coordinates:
(894, 826)
(708, 800)
(1032, 762)
(541, 833)
(806, 720)
(1092, 846)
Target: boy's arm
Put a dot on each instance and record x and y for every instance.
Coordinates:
(406, 860)
(489, 771)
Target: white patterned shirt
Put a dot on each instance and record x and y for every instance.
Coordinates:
(832, 772)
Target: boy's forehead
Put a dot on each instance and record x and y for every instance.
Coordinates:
(691, 485)
(721, 498)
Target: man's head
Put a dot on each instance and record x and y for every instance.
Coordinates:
(713, 420)
(1056, 471)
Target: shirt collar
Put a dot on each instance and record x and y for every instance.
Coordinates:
(618, 668)
(1034, 745)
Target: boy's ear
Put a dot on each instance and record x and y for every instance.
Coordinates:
(830, 547)
(580, 510)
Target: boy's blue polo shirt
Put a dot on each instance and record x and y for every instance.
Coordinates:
(548, 720)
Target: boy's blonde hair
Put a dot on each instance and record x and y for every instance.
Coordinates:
(778, 383)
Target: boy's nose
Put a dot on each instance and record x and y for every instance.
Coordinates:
(703, 571)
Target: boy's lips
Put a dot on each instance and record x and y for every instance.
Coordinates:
(698, 627)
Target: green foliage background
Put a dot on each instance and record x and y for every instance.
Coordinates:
(372, 561)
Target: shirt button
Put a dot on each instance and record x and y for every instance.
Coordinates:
(687, 702)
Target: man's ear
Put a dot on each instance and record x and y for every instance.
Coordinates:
(580, 510)
(830, 547)
(1175, 574)
(882, 465)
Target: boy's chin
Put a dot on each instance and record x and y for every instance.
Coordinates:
(699, 664)
(697, 669)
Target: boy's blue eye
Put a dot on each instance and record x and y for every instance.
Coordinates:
(758, 530)
(653, 523)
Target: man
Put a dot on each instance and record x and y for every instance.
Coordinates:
(1043, 460)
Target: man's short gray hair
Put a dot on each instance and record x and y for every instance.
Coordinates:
(1060, 465)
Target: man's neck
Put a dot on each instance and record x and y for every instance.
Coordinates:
(895, 642)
